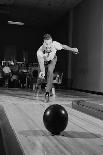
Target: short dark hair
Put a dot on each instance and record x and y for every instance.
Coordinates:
(47, 37)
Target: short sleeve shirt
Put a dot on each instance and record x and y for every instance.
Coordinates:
(49, 56)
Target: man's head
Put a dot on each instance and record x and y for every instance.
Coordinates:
(47, 37)
(47, 42)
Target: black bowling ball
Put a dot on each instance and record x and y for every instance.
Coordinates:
(55, 119)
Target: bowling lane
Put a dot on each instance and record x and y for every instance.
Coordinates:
(83, 135)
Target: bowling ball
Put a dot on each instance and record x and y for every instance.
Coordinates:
(55, 119)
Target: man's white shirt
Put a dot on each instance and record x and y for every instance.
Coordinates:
(49, 56)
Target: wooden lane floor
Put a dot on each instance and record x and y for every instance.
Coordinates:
(82, 136)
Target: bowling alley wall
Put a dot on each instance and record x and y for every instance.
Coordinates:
(87, 66)
(18, 41)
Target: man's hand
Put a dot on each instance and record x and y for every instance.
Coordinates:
(42, 75)
(75, 50)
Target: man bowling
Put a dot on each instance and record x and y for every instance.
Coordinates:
(47, 58)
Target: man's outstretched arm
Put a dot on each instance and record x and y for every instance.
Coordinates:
(65, 47)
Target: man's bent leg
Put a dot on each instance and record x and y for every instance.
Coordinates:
(51, 68)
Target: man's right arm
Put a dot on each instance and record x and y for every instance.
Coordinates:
(41, 61)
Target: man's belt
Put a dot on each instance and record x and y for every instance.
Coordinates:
(48, 62)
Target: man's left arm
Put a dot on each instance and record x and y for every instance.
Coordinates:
(60, 46)
(74, 50)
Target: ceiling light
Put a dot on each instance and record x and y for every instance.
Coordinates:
(15, 23)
